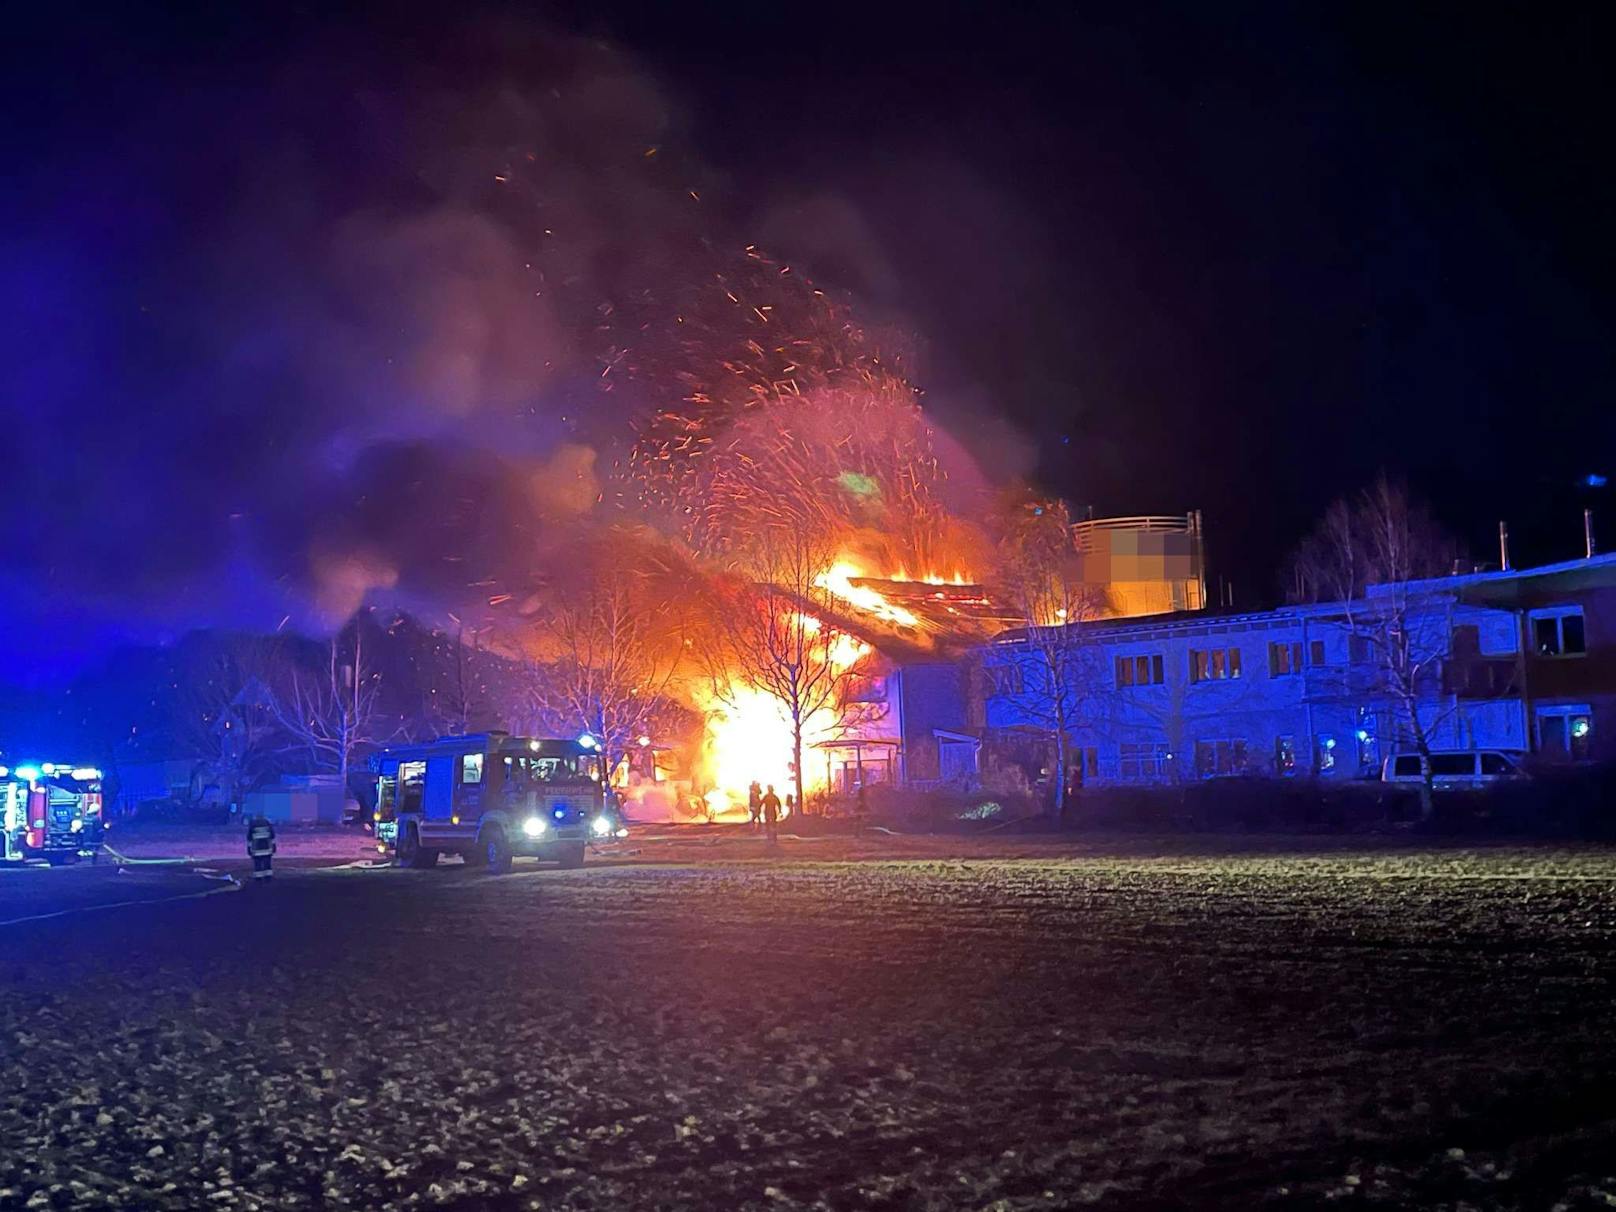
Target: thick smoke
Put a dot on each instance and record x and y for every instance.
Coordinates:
(300, 337)
(343, 329)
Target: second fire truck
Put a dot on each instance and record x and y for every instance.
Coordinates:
(50, 811)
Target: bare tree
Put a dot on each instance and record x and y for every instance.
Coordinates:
(450, 698)
(1369, 554)
(778, 638)
(227, 718)
(1040, 578)
(333, 713)
(608, 653)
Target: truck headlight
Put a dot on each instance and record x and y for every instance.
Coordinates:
(534, 826)
(77, 826)
(600, 827)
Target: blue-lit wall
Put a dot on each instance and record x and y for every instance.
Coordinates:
(1298, 706)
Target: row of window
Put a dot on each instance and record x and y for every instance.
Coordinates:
(1140, 670)
(1555, 632)
(1287, 658)
(1214, 664)
(1563, 733)
(1226, 757)
(1217, 664)
(1206, 665)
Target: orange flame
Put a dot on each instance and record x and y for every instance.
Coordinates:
(839, 582)
(959, 577)
(749, 735)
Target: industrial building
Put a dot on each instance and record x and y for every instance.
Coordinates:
(1521, 660)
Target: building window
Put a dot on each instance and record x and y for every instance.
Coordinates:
(1315, 653)
(871, 689)
(1565, 733)
(1359, 650)
(1285, 754)
(1214, 664)
(1085, 765)
(471, 768)
(1005, 679)
(1284, 658)
(1147, 760)
(1140, 670)
(1559, 632)
(1326, 754)
(1219, 759)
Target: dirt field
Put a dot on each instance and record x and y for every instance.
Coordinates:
(1143, 1024)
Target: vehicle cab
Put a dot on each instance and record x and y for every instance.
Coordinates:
(491, 797)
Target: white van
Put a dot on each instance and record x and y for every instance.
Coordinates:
(1457, 768)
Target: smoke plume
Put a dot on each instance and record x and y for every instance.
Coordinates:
(353, 325)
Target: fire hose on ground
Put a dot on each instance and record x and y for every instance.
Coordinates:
(124, 860)
(207, 873)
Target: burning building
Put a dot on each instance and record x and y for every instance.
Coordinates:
(907, 713)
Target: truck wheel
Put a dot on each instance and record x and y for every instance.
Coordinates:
(412, 854)
(573, 856)
(493, 852)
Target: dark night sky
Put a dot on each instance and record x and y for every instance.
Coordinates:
(1233, 257)
(1242, 256)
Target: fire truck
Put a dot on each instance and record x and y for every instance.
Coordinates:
(490, 797)
(50, 811)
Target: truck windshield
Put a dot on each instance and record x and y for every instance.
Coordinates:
(580, 769)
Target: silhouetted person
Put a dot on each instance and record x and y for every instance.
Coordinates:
(861, 811)
(261, 846)
(754, 802)
(771, 815)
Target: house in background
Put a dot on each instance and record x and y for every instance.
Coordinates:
(905, 724)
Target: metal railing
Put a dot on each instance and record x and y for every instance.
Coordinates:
(1084, 532)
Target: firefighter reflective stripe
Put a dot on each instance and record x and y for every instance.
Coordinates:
(264, 873)
(261, 839)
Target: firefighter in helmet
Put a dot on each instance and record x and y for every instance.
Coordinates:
(261, 846)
